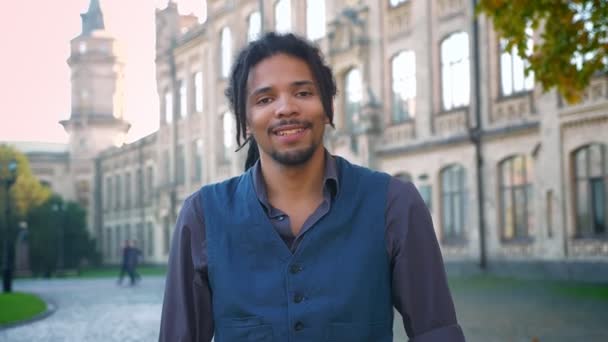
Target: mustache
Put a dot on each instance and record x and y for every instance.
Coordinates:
(291, 122)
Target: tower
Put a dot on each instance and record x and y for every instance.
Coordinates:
(96, 119)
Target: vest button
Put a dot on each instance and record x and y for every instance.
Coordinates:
(298, 298)
(298, 326)
(294, 269)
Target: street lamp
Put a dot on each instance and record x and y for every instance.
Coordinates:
(7, 179)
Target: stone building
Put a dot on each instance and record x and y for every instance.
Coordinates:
(515, 178)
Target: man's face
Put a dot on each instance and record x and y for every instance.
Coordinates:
(284, 110)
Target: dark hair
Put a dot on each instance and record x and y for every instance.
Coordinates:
(267, 46)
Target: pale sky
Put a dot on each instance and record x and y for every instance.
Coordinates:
(35, 78)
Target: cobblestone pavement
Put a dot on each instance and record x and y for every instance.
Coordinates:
(99, 310)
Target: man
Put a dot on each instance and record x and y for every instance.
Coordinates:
(303, 246)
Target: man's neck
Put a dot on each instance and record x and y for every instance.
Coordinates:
(289, 183)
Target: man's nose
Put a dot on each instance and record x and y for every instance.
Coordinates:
(286, 106)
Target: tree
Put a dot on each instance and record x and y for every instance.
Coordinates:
(15, 203)
(58, 235)
(574, 39)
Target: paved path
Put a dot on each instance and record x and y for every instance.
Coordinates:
(98, 310)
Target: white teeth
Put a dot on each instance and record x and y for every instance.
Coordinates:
(289, 131)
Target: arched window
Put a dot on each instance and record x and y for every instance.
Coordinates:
(512, 76)
(455, 76)
(226, 41)
(516, 200)
(255, 26)
(353, 96)
(591, 190)
(198, 91)
(352, 103)
(168, 107)
(403, 72)
(315, 19)
(282, 16)
(453, 202)
(183, 99)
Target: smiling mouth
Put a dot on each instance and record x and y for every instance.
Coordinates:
(289, 132)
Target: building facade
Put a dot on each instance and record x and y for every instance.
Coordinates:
(515, 178)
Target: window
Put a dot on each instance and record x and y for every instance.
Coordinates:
(139, 181)
(127, 190)
(315, 19)
(352, 103)
(118, 191)
(198, 92)
(455, 76)
(167, 167)
(226, 41)
(82, 47)
(516, 201)
(426, 194)
(108, 242)
(128, 232)
(181, 165)
(354, 95)
(404, 86)
(395, 3)
(183, 99)
(590, 182)
(167, 234)
(168, 107)
(150, 239)
(229, 126)
(255, 26)
(109, 193)
(140, 238)
(452, 202)
(282, 16)
(119, 242)
(512, 69)
(197, 159)
(149, 183)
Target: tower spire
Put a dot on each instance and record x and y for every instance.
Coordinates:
(93, 19)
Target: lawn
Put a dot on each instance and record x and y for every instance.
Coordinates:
(549, 287)
(108, 272)
(19, 306)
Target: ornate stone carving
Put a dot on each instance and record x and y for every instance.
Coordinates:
(399, 135)
(448, 8)
(451, 123)
(399, 19)
(511, 110)
(348, 30)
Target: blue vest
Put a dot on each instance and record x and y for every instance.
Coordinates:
(336, 286)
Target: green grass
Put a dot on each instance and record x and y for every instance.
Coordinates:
(19, 306)
(550, 287)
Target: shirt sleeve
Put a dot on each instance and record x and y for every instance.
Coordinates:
(187, 311)
(419, 284)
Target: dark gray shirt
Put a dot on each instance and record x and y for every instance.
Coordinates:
(419, 286)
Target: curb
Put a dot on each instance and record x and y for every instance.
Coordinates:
(50, 309)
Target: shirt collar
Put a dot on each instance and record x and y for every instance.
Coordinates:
(331, 184)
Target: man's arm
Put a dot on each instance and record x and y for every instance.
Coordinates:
(187, 312)
(419, 283)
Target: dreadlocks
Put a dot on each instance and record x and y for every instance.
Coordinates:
(267, 46)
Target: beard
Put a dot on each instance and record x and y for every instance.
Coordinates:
(294, 158)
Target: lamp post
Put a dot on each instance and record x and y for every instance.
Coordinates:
(7, 178)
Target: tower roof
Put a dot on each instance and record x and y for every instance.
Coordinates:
(93, 19)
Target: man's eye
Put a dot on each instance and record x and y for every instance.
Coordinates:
(264, 100)
(304, 93)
